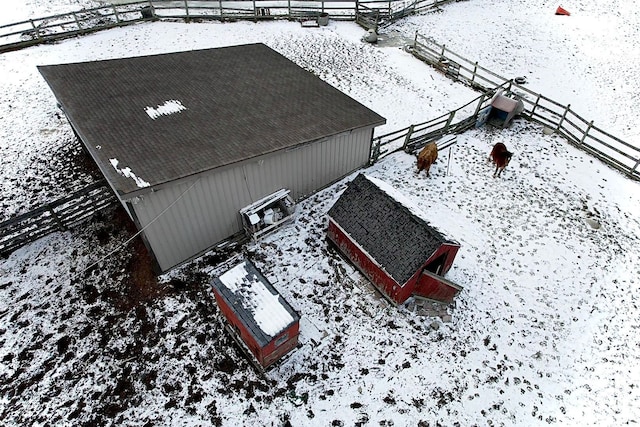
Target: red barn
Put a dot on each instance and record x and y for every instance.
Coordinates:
(390, 241)
(258, 314)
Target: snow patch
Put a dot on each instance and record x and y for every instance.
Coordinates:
(128, 173)
(171, 106)
(398, 197)
(270, 315)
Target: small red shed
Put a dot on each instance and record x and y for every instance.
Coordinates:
(257, 313)
(390, 241)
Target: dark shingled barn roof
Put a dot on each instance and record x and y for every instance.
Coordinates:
(169, 116)
(386, 229)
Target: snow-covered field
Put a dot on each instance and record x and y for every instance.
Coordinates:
(546, 330)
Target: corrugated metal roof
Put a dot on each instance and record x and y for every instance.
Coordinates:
(393, 235)
(256, 302)
(154, 119)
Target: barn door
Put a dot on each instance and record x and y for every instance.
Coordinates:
(436, 287)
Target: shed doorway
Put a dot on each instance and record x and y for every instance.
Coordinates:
(437, 264)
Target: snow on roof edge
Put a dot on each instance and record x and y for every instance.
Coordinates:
(413, 208)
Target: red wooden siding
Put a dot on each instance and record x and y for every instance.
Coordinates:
(271, 352)
(281, 344)
(381, 280)
(425, 282)
(436, 287)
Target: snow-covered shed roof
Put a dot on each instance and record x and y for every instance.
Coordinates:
(255, 301)
(387, 225)
(150, 120)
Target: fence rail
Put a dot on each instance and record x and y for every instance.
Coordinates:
(373, 14)
(367, 13)
(411, 138)
(57, 216)
(559, 118)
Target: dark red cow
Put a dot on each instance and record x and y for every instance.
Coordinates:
(501, 157)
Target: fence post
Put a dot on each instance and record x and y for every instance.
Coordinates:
(153, 10)
(75, 17)
(449, 120)
(535, 105)
(480, 101)
(408, 137)
(415, 42)
(375, 153)
(35, 29)
(584, 135)
(56, 218)
(475, 69)
(442, 52)
(221, 10)
(186, 8)
(563, 116)
(115, 13)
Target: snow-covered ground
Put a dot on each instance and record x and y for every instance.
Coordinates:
(545, 331)
(590, 59)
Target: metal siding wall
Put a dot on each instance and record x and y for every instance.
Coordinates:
(306, 169)
(208, 212)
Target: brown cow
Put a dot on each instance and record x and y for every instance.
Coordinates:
(427, 157)
(501, 157)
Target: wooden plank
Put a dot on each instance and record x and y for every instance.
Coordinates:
(69, 211)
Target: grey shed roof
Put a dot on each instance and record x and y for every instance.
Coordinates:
(170, 116)
(255, 302)
(387, 229)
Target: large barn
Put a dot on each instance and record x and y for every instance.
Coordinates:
(187, 139)
(391, 241)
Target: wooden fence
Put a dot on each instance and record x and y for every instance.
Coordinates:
(411, 138)
(374, 14)
(367, 13)
(57, 216)
(556, 117)
(55, 27)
